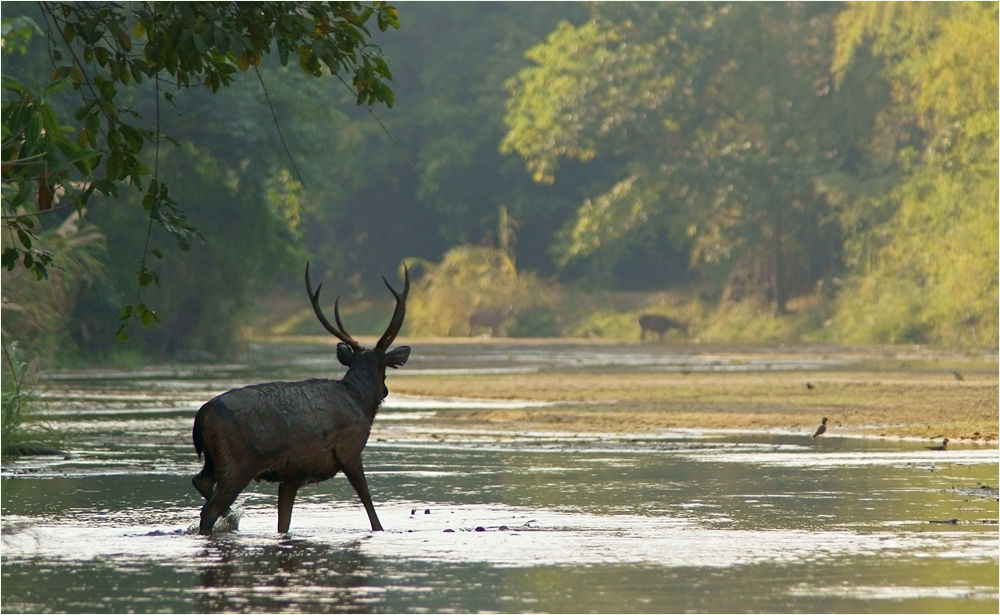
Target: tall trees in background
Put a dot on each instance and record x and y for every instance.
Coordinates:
(84, 117)
(449, 62)
(785, 145)
(766, 151)
(245, 194)
(721, 120)
(924, 250)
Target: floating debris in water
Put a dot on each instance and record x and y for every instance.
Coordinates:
(982, 491)
(168, 532)
(957, 522)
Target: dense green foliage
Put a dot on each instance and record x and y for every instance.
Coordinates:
(66, 154)
(930, 270)
(790, 144)
(125, 131)
(719, 149)
(778, 171)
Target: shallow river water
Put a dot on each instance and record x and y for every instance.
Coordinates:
(477, 521)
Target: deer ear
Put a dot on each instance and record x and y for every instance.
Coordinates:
(397, 356)
(345, 354)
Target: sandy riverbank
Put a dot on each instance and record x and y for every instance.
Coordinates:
(873, 396)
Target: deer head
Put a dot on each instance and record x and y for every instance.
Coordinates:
(352, 354)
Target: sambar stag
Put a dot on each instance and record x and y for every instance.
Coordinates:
(297, 433)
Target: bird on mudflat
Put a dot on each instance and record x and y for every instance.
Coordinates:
(959, 377)
(821, 429)
(940, 447)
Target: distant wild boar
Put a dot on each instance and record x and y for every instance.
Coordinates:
(659, 324)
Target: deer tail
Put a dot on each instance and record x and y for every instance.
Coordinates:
(198, 433)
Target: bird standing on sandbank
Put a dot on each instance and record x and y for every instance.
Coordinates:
(940, 447)
(821, 429)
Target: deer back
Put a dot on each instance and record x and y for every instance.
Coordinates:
(276, 416)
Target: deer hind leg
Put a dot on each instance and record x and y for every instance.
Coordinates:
(204, 481)
(355, 472)
(226, 491)
(286, 498)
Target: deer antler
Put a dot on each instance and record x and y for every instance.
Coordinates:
(397, 317)
(339, 333)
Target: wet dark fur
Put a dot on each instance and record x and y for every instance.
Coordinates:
(293, 433)
(297, 433)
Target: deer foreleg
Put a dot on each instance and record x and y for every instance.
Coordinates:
(355, 473)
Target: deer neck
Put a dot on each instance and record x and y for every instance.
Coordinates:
(366, 387)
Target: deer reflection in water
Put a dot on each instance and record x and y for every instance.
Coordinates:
(286, 567)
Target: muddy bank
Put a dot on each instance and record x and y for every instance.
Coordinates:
(586, 386)
(860, 400)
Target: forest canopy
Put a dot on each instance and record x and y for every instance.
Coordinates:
(828, 171)
(791, 143)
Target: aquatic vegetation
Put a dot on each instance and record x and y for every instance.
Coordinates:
(18, 394)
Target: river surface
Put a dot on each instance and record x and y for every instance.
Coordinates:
(477, 521)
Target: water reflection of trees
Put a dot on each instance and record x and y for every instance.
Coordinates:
(290, 574)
